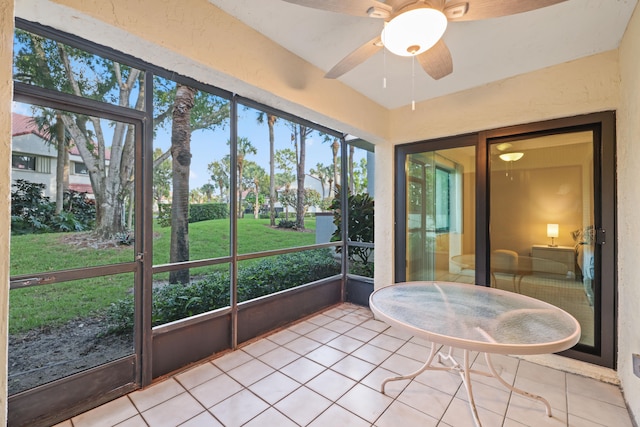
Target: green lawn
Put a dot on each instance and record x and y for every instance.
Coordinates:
(49, 305)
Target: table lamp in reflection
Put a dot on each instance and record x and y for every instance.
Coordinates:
(552, 231)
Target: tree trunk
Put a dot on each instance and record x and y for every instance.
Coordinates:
(181, 163)
(110, 183)
(300, 171)
(61, 165)
(335, 147)
(256, 206)
(132, 196)
(239, 191)
(271, 119)
(286, 205)
(351, 177)
(223, 199)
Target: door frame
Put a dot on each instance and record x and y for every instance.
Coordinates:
(84, 390)
(604, 351)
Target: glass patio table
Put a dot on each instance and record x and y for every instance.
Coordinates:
(474, 318)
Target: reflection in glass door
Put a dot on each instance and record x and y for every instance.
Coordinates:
(542, 240)
(440, 215)
(535, 223)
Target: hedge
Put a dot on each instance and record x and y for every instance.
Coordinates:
(269, 275)
(197, 212)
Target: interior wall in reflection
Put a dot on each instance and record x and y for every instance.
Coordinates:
(548, 185)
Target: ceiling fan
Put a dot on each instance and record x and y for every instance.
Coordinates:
(415, 27)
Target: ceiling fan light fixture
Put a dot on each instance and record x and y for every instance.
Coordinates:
(414, 31)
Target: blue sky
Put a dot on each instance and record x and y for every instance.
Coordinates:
(208, 146)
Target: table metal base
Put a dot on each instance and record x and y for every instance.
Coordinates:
(465, 373)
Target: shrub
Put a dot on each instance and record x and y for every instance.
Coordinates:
(283, 223)
(32, 212)
(176, 301)
(197, 212)
(207, 211)
(164, 214)
(359, 229)
(275, 274)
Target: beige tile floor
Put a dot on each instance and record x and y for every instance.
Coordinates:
(327, 370)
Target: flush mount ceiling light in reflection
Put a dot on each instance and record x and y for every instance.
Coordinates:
(511, 157)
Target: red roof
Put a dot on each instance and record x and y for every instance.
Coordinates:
(81, 188)
(24, 125)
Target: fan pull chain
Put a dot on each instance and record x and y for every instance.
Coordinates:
(384, 68)
(384, 61)
(413, 83)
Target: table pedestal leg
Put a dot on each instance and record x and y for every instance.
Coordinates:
(465, 372)
(466, 379)
(427, 365)
(515, 389)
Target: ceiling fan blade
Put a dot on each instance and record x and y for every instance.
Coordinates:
(483, 9)
(366, 8)
(437, 61)
(399, 4)
(355, 58)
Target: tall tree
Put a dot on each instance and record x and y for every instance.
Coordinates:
(328, 173)
(271, 121)
(56, 66)
(335, 149)
(255, 179)
(320, 172)
(219, 170)
(181, 165)
(285, 160)
(50, 124)
(244, 148)
(207, 191)
(185, 110)
(161, 178)
(299, 134)
(360, 176)
(351, 177)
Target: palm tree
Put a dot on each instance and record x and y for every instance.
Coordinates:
(286, 159)
(335, 147)
(271, 120)
(161, 177)
(254, 179)
(320, 172)
(244, 147)
(207, 191)
(181, 165)
(220, 175)
(352, 149)
(328, 173)
(56, 135)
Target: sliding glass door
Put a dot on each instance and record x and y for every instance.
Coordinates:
(526, 209)
(542, 218)
(439, 214)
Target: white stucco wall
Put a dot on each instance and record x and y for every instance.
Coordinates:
(6, 87)
(582, 86)
(628, 207)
